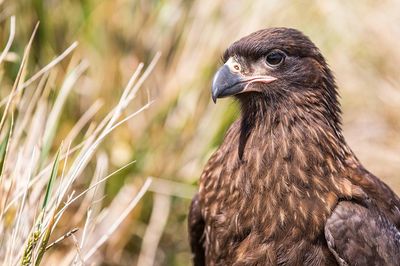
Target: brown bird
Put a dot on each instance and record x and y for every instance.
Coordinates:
(284, 188)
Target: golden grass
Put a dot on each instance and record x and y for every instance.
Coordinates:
(26, 180)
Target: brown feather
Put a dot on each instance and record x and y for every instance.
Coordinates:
(267, 192)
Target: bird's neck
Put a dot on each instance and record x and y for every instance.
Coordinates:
(295, 132)
(319, 105)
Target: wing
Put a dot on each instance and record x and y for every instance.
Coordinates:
(357, 235)
(385, 199)
(196, 229)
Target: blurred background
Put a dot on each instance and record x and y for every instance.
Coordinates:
(172, 140)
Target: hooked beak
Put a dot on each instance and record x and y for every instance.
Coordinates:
(228, 82)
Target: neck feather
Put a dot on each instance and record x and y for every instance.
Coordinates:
(308, 121)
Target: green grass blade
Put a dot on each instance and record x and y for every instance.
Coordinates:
(3, 149)
(51, 181)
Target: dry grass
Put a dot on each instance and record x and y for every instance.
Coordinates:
(173, 138)
(34, 193)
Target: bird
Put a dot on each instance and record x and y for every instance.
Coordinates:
(284, 187)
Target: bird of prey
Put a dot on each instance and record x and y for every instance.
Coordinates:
(284, 188)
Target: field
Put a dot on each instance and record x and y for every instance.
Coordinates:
(107, 120)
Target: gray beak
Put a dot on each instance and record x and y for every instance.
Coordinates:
(226, 83)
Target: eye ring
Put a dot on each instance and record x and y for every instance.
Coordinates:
(275, 58)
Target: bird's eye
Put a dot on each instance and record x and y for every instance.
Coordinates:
(275, 58)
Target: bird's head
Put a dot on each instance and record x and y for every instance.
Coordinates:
(276, 65)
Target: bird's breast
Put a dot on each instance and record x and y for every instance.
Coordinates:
(270, 195)
(254, 207)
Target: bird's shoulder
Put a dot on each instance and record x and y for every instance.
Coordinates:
(365, 227)
(359, 234)
(373, 188)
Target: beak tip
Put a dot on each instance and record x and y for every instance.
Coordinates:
(214, 93)
(214, 98)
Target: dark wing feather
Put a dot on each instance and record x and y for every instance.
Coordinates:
(357, 235)
(196, 231)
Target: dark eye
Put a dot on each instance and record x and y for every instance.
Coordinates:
(275, 58)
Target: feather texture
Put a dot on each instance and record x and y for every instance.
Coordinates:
(267, 194)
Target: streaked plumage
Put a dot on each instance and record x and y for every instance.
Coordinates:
(284, 188)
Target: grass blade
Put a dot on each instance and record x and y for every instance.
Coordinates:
(10, 39)
(55, 114)
(51, 181)
(3, 149)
